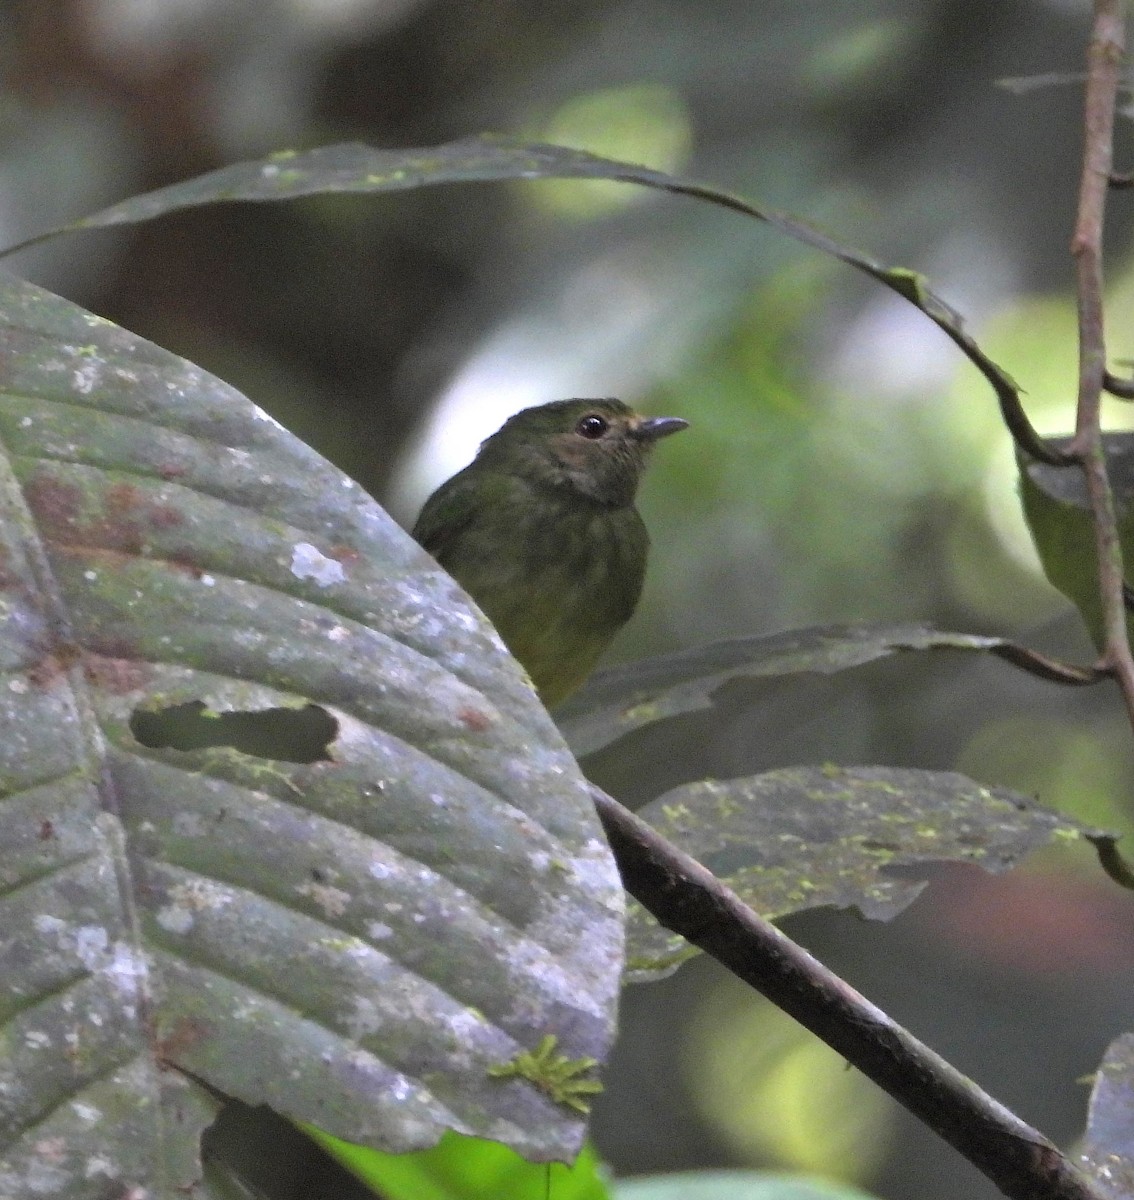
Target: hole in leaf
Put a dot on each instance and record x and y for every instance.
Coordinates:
(299, 735)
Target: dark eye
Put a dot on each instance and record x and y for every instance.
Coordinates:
(592, 426)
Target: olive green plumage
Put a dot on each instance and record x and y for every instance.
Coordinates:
(541, 530)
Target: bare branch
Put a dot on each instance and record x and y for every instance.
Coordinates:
(688, 899)
(1112, 862)
(1104, 62)
(1045, 667)
(1122, 388)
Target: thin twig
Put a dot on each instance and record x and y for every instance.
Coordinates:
(1111, 861)
(1104, 61)
(1045, 667)
(1122, 388)
(688, 899)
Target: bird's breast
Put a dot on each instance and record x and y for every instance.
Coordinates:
(573, 583)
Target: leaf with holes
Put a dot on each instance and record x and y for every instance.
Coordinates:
(849, 837)
(385, 883)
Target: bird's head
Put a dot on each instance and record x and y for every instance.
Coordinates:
(596, 447)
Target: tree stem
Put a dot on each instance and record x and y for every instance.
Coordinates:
(1104, 64)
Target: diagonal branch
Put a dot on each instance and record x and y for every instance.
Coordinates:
(688, 899)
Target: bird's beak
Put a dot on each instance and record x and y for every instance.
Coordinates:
(651, 428)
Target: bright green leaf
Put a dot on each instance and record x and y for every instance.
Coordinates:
(466, 1168)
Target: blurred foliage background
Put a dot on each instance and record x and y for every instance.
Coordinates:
(844, 463)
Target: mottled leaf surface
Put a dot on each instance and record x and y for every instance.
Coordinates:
(1107, 1152)
(352, 167)
(355, 940)
(806, 837)
(621, 699)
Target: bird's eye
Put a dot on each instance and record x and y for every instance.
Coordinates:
(592, 426)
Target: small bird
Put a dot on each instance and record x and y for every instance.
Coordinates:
(541, 530)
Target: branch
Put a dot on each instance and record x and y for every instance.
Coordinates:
(1104, 61)
(1122, 388)
(1044, 667)
(1111, 861)
(688, 899)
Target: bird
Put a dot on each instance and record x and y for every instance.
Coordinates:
(540, 529)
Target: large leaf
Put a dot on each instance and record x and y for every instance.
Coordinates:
(806, 837)
(356, 168)
(1107, 1152)
(367, 941)
(621, 699)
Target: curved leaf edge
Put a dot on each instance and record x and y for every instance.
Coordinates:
(352, 167)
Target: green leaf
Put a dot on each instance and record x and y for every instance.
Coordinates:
(465, 1168)
(355, 934)
(1058, 513)
(733, 1185)
(621, 699)
(352, 167)
(807, 837)
(1107, 1152)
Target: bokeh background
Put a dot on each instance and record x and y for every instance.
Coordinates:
(844, 462)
